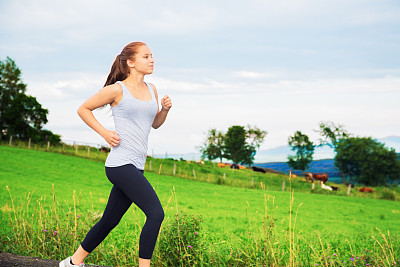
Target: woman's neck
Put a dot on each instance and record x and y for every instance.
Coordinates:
(134, 81)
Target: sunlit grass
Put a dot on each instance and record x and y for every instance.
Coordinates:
(240, 227)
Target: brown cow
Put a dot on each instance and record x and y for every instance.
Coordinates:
(366, 190)
(309, 176)
(323, 177)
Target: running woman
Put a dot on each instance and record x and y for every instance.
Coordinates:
(135, 110)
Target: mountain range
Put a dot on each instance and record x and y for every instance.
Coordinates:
(279, 154)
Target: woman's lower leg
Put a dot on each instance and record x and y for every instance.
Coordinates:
(79, 256)
(144, 262)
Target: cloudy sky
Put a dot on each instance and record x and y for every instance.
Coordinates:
(282, 66)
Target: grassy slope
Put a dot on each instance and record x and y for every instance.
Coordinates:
(227, 211)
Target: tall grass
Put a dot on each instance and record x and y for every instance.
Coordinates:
(47, 228)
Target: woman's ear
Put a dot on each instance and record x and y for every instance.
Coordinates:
(130, 63)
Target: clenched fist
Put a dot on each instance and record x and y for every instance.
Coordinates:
(111, 138)
(166, 103)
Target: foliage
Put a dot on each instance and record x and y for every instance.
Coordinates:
(331, 133)
(21, 116)
(238, 144)
(254, 138)
(388, 195)
(367, 160)
(304, 151)
(213, 146)
(235, 144)
(179, 242)
(241, 144)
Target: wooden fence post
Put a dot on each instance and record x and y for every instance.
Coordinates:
(63, 147)
(313, 186)
(283, 185)
(150, 166)
(252, 181)
(10, 143)
(48, 145)
(349, 189)
(76, 149)
(88, 151)
(29, 143)
(173, 173)
(159, 171)
(194, 174)
(224, 176)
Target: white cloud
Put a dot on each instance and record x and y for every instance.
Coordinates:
(255, 82)
(256, 75)
(179, 17)
(63, 86)
(280, 65)
(281, 107)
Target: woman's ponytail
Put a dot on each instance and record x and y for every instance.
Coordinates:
(116, 72)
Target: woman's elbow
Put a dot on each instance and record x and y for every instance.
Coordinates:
(81, 111)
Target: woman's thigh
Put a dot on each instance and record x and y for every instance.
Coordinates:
(135, 186)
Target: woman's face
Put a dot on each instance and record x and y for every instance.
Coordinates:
(144, 61)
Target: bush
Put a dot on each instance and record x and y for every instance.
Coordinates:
(388, 195)
(179, 241)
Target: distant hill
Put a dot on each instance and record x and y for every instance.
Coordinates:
(279, 154)
(324, 165)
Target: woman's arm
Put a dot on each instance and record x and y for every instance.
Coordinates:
(166, 104)
(105, 96)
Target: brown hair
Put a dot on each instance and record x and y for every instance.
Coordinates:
(120, 69)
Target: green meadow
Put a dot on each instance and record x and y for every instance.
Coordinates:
(54, 199)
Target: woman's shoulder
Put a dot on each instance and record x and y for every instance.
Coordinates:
(115, 88)
(153, 87)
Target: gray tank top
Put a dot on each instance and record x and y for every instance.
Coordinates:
(132, 119)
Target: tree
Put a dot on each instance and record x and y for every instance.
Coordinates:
(21, 116)
(254, 138)
(241, 144)
(235, 144)
(331, 135)
(213, 145)
(367, 161)
(304, 148)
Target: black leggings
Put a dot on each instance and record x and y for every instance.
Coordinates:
(130, 185)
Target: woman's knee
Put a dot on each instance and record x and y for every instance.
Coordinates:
(157, 215)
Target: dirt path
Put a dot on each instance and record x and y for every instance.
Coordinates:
(11, 260)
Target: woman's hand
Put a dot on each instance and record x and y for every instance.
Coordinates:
(166, 103)
(111, 138)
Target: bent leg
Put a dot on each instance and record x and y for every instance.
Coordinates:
(136, 187)
(116, 207)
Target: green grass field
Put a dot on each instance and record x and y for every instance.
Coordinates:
(230, 214)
